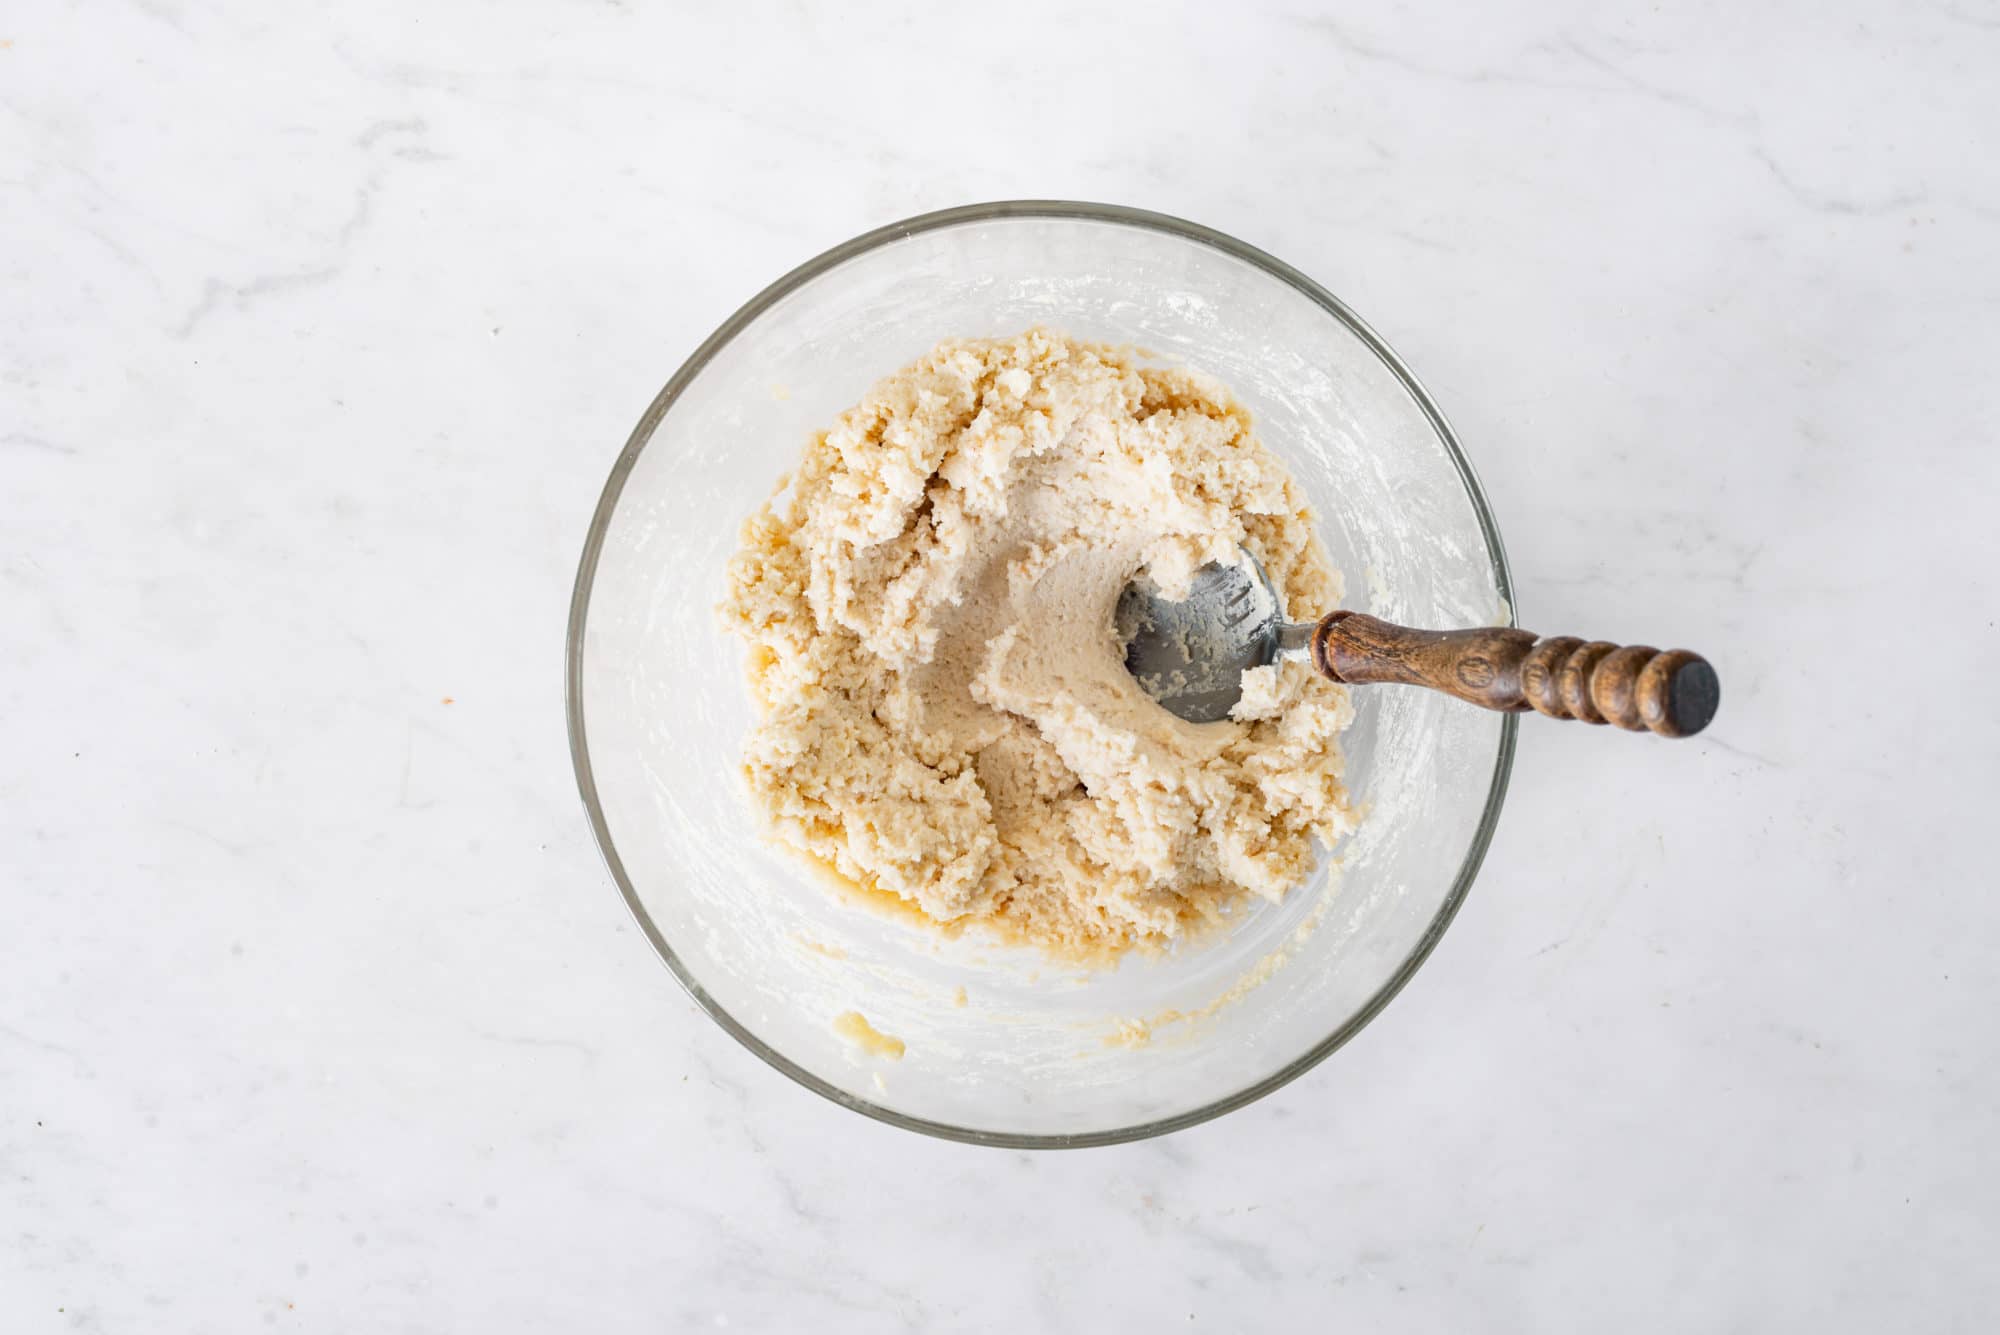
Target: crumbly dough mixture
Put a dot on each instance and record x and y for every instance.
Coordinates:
(944, 713)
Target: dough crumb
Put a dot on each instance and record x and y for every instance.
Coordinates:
(1266, 692)
(1129, 1033)
(854, 1027)
(944, 715)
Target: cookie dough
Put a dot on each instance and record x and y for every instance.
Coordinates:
(943, 710)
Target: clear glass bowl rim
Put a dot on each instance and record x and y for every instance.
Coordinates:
(751, 310)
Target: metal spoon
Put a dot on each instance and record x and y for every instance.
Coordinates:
(1191, 656)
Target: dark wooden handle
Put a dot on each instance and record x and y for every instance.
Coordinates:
(1635, 686)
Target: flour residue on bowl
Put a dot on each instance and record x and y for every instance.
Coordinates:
(1138, 1032)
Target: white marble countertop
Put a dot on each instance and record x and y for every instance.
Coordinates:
(321, 329)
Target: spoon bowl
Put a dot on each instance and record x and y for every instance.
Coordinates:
(1191, 654)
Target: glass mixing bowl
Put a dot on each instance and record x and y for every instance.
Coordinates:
(1028, 1053)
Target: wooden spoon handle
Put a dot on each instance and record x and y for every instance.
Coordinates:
(1637, 687)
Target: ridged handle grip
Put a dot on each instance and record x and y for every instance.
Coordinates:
(1673, 693)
